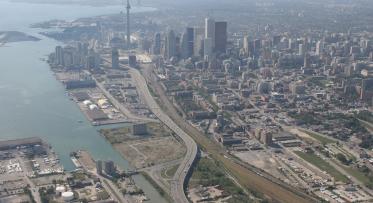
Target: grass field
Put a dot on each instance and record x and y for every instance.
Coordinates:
(346, 153)
(362, 177)
(323, 139)
(210, 173)
(168, 173)
(323, 165)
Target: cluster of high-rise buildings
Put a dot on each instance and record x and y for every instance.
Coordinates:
(76, 57)
(206, 42)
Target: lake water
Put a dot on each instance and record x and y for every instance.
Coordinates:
(33, 102)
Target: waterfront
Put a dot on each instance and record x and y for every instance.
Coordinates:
(33, 102)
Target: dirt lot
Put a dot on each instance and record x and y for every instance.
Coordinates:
(262, 160)
(152, 151)
(86, 160)
(157, 146)
(47, 180)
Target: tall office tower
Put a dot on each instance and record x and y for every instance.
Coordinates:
(177, 42)
(306, 61)
(319, 48)
(96, 60)
(170, 45)
(109, 168)
(157, 44)
(207, 48)
(291, 44)
(301, 50)
(68, 57)
(184, 46)
(199, 35)
(59, 58)
(246, 44)
(221, 37)
(190, 40)
(276, 40)
(210, 29)
(115, 58)
(367, 89)
(128, 7)
(257, 46)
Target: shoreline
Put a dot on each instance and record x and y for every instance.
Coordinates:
(58, 126)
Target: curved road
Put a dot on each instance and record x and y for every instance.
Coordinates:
(177, 184)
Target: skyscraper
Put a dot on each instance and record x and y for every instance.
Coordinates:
(115, 58)
(184, 46)
(246, 45)
(210, 29)
(306, 61)
(190, 39)
(221, 37)
(276, 40)
(199, 35)
(187, 43)
(257, 46)
(291, 43)
(157, 44)
(170, 45)
(301, 50)
(319, 48)
(93, 61)
(109, 168)
(59, 55)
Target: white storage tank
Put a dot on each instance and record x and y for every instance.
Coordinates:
(60, 189)
(93, 106)
(87, 102)
(67, 196)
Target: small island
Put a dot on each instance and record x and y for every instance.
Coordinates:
(15, 36)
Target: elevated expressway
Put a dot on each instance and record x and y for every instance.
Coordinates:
(180, 177)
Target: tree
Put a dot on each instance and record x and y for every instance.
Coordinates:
(342, 158)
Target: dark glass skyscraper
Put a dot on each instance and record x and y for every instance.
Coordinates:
(221, 37)
(190, 41)
(157, 44)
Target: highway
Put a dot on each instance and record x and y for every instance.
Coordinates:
(156, 172)
(177, 184)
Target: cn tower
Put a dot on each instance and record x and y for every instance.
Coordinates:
(128, 25)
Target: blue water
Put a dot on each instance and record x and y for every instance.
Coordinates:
(33, 102)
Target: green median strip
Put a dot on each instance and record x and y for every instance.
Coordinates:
(324, 140)
(364, 178)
